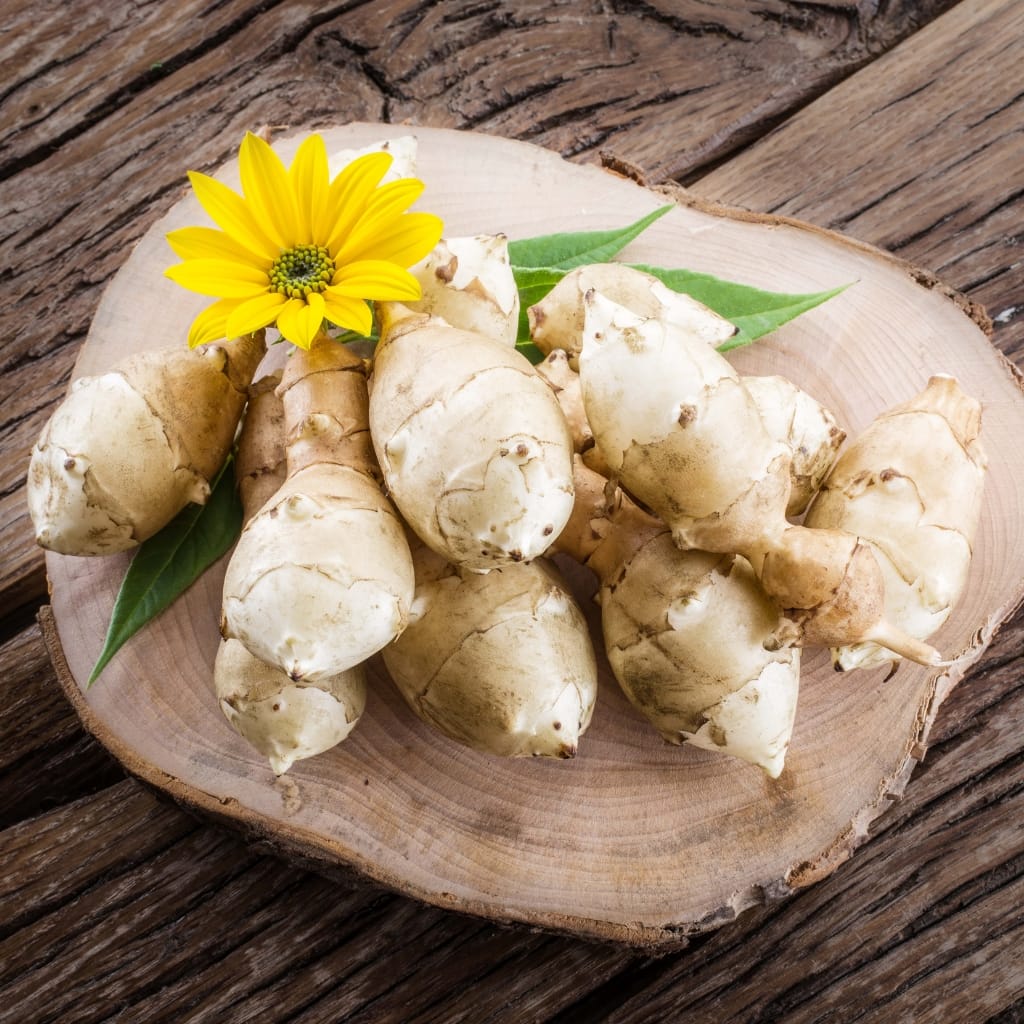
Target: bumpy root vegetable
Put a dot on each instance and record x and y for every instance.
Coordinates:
(500, 662)
(283, 720)
(557, 321)
(805, 426)
(679, 428)
(90, 492)
(469, 283)
(321, 577)
(911, 486)
(690, 636)
(474, 448)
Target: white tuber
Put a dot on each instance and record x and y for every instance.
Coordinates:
(469, 283)
(321, 577)
(500, 662)
(687, 633)
(474, 449)
(90, 492)
(911, 486)
(285, 721)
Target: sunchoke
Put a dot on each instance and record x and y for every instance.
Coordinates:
(92, 493)
(911, 485)
(322, 576)
(284, 720)
(473, 446)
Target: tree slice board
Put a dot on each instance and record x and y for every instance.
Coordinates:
(635, 840)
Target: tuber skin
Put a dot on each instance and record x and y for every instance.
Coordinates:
(806, 427)
(321, 577)
(678, 427)
(789, 414)
(474, 449)
(90, 493)
(468, 282)
(285, 721)
(557, 321)
(501, 662)
(911, 486)
(690, 635)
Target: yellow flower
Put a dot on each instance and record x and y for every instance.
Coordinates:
(297, 249)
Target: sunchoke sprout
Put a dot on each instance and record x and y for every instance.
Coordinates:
(322, 576)
(911, 485)
(284, 720)
(474, 448)
(500, 662)
(91, 493)
(468, 282)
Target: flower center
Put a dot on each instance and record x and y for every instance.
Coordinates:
(301, 270)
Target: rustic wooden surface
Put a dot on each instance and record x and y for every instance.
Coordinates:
(899, 123)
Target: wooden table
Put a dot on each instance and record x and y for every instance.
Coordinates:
(898, 123)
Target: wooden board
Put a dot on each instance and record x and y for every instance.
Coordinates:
(634, 840)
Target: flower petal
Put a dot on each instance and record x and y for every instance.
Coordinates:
(209, 243)
(211, 324)
(350, 192)
(351, 314)
(405, 241)
(224, 279)
(230, 211)
(268, 191)
(300, 322)
(252, 314)
(309, 181)
(375, 279)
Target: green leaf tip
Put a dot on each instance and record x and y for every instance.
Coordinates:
(167, 564)
(566, 250)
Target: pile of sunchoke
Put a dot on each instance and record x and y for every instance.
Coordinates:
(636, 448)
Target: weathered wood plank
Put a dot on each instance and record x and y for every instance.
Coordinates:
(96, 124)
(927, 163)
(45, 757)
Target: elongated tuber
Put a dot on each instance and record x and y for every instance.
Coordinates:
(91, 492)
(911, 485)
(284, 720)
(500, 662)
(321, 577)
(474, 448)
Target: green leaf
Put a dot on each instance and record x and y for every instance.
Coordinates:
(566, 250)
(753, 311)
(167, 564)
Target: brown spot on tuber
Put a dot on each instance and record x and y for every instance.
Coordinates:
(687, 415)
(69, 464)
(548, 530)
(556, 725)
(522, 451)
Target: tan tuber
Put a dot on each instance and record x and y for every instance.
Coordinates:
(321, 577)
(92, 493)
(284, 720)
